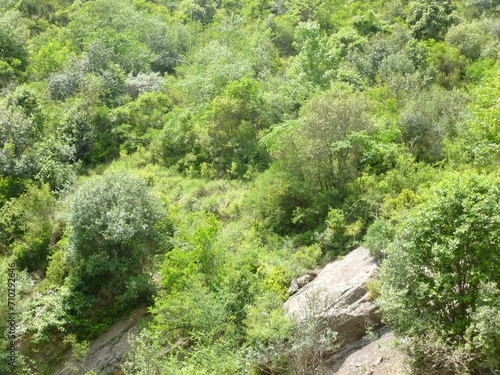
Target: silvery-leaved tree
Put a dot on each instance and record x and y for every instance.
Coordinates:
(114, 229)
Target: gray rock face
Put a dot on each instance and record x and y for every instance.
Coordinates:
(105, 354)
(369, 357)
(338, 297)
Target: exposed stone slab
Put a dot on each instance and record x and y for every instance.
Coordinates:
(338, 297)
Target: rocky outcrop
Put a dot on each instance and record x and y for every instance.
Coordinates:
(105, 354)
(338, 297)
(375, 356)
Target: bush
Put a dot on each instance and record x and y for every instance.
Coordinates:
(144, 82)
(115, 211)
(11, 187)
(339, 236)
(378, 237)
(26, 226)
(275, 200)
(467, 38)
(437, 264)
(281, 345)
(430, 19)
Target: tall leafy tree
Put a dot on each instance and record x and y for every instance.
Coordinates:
(113, 231)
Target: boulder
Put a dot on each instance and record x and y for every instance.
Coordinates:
(338, 297)
(375, 356)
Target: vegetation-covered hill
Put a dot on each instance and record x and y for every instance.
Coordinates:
(192, 156)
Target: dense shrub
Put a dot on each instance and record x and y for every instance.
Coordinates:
(438, 268)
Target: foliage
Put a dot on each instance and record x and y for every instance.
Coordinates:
(135, 122)
(190, 270)
(234, 120)
(274, 134)
(46, 313)
(26, 153)
(289, 346)
(145, 359)
(316, 61)
(114, 227)
(467, 38)
(478, 142)
(482, 334)
(430, 19)
(338, 236)
(441, 256)
(428, 121)
(13, 37)
(275, 200)
(144, 82)
(18, 133)
(319, 146)
(377, 238)
(26, 227)
(10, 187)
(211, 68)
(115, 211)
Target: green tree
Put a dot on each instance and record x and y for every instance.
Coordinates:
(18, 134)
(430, 119)
(116, 212)
(49, 52)
(485, 7)
(177, 139)
(199, 10)
(208, 69)
(319, 146)
(26, 227)
(129, 35)
(13, 54)
(275, 198)
(143, 83)
(316, 61)
(234, 120)
(399, 73)
(312, 10)
(113, 230)
(26, 150)
(169, 42)
(442, 257)
(86, 127)
(448, 64)
(430, 19)
(467, 38)
(478, 141)
(192, 304)
(369, 24)
(136, 121)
